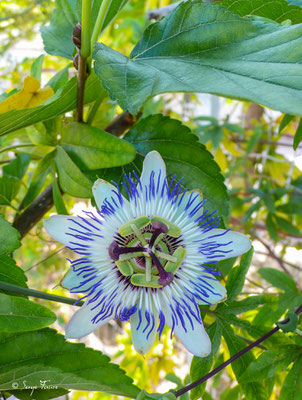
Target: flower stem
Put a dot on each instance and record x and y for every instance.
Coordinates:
(36, 293)
(100, 21)
(86, 29)
(233, 358)
(81, 87)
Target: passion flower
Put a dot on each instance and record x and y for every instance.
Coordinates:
(148, 258)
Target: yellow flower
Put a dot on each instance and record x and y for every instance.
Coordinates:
(29, 96)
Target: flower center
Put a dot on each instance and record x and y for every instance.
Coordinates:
(148, 251)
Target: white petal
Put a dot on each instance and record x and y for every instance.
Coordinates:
(80, 324)
(143, 339)
(219, 290)
(57, 226)
(101, 190)
(71, 280)
(189, 196)
(195, 339)
(230, 244)
(152, 162)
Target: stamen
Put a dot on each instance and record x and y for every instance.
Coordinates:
(115, 251)
(158, 228)
(165, 278)
(138, 234)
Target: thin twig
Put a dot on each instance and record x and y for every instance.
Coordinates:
(273, 255)
(44, 259)
(284, 261)
(233, 358)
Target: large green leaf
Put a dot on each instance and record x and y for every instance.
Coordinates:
(46, 355)
(11, 273)
(19, 315)
(277, 10)
(62, 101)
(292, 386)
(8, 237)
(253, 390)
(270, 362)
(71, 179)
(183, 155)
(57, 36)
(210, 50)
(92, 148)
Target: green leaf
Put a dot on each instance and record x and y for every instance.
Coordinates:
(292, 207)
(287, 226)
(278, 279)
(9, 237)
(46, 355)
(298, 135)
(38, 179)
(271, 227)
(250, 303)
(183, 155)
(57, 37)
(40, 394)
(58, 198)
(285, 121)
(292, 386)
(62, 101)
(17, 167)
(269, 314)
(236, 277)
(71, 179)
(253, 141)
(269, 202)
(20, 315)
(11, 273)
(91, 148)
(207, 52)
(253, 390)
(59, 79)
(9, 188)
(225, 266)
(201, 366)
(36, 67)
(270, 362)
(277, 10)
(290, 324)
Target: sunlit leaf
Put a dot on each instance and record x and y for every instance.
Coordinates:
(207, 52)
(277, 10)
(71, 179)
(92, 148)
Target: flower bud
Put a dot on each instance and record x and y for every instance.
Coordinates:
(76, 35)
(76, 61)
